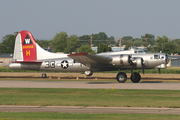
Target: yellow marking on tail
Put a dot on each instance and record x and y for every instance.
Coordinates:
(28, 46)
(28, 53)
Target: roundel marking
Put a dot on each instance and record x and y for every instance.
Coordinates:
(64, 64)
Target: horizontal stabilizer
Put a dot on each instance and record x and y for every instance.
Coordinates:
(27, 61)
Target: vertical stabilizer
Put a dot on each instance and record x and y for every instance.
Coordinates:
(25, 47)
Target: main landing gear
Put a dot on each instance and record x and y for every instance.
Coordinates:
(135, 77)
(122, 77)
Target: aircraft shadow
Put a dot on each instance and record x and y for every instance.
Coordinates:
(151, 82)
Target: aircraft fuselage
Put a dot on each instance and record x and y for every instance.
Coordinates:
(67, 64)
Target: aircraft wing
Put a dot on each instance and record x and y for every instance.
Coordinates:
(92, 61)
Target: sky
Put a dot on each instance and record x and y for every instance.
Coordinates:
(118, 18)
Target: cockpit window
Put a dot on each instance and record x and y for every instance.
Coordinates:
(140, 51)
(156, 57)
(162, 57)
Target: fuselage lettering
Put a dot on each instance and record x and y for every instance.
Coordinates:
(50, 64)
(47, 64)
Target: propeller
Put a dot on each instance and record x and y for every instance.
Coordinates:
(168, 57)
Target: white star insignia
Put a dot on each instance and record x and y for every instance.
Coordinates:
(64, 64)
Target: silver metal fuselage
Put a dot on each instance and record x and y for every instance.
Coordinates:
(66, 64)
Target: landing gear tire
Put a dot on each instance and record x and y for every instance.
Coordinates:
(121, 77)
(44, 75)
(136, 77)
(88, 73)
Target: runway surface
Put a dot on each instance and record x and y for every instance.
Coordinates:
(149, 81)
(88, 85)
(81, 109)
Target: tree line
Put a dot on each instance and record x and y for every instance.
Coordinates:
(62, 42)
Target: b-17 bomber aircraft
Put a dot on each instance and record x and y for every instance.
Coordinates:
(28, 55)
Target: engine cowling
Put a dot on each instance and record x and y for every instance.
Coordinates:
(122, 60)
(138, 61)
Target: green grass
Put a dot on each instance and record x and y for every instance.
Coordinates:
(89, 97)
(81, 116)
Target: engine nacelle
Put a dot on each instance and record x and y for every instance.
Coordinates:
(122, 60)
(138, 61)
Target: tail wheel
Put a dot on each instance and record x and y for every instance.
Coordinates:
(136, 77)
(121, 77)
(44, 75)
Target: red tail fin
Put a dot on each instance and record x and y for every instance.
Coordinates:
(27, 50)
(28, 46)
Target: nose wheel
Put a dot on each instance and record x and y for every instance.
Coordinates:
(121, 77)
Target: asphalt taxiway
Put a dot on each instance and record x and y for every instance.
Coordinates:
(88, 85)
(81, 109)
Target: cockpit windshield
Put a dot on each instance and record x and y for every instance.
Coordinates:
(139, 51)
